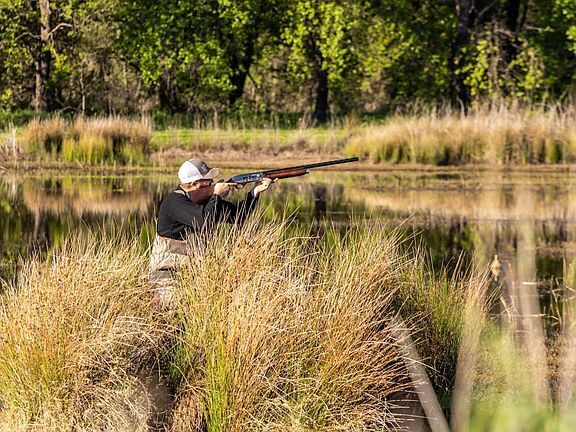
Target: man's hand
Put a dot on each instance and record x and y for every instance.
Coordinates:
(222, 189)
(261, 187)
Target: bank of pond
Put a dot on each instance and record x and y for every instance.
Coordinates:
(485, 135)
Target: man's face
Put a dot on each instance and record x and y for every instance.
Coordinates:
(199, 184)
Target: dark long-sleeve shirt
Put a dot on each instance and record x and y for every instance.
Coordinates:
(178, 216)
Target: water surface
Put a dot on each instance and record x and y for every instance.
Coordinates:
(525, 218)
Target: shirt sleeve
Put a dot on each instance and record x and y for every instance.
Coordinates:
(232, 213)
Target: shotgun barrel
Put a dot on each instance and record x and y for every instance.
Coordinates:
(294, 171)
(239, 181)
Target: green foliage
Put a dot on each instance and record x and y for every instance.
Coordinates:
(489, 76)
(567, 10)
(257, 56)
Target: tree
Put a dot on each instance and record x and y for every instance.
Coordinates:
(40, 45)
(197, 54)
(17, 46)
(30, 28)
(518, 49)
(320, 36)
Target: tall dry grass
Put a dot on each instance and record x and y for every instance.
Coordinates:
(277, 330)
(504, 134)
(45, 137)
(291, 334)
(295, 333)
(88, 141)
(74, 333)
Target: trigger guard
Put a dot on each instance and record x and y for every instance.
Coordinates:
(240, 186)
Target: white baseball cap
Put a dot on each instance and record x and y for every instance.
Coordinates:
(196, 169)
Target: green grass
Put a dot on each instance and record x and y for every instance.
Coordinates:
(268, 141)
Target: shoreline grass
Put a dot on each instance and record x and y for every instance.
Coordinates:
(505, 135)
(88, 141)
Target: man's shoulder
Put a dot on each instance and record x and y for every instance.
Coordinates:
(174, 197)
(177, 194)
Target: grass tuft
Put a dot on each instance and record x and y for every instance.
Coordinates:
(75, 331)
(506, 135)
(291, 333)
(89, 141)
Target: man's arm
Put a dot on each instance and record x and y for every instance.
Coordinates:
(238, 214)
(232, 213)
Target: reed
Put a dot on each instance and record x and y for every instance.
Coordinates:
(274, 338)
(89, 141)
(504, 134)
(75, 330)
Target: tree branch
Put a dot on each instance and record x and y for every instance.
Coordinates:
(486, 9)
(58, 27)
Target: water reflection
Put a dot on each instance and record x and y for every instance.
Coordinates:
(526, 218)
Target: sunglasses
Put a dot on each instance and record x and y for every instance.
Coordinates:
(204, 182)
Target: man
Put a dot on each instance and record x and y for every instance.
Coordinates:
(194, 208)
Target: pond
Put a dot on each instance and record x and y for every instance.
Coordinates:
(521, 223)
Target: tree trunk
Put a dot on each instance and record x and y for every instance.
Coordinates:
(240, 68)
(465, 19)
(512, 16)
(321, 108)
(43, 60)
(168, 94)
(321, 102)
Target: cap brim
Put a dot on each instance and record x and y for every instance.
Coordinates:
(214, 172)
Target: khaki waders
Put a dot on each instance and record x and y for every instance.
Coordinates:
(167, 256)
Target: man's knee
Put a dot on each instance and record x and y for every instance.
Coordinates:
(162, 282)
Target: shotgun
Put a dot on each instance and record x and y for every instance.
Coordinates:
(241, 180)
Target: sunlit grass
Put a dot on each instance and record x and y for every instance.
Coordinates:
(298, 333)
(75, 330)
(275, 338)
(274, 329)
(506, 135)
(88, 141)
